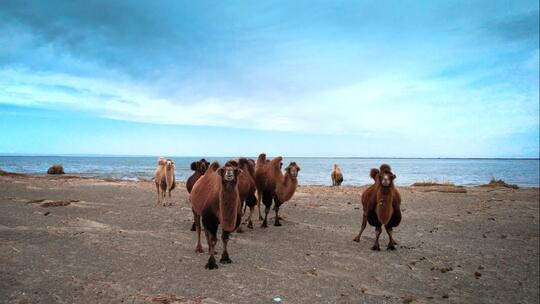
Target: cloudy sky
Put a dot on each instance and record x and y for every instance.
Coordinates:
(296, 78)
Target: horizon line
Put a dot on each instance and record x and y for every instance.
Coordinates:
(207, 156)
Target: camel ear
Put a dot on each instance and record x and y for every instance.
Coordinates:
(193, 166)
(221, 171)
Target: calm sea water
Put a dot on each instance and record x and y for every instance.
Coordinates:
(314, 171)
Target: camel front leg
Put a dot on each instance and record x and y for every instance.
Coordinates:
(225, 255)
(211, 239)
(364, 221)
(266, 211)
(391, 242)
(378, 231)
(277, 223)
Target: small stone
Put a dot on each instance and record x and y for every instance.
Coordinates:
(477, 274)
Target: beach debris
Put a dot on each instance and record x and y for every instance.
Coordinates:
(312, 271)
(445, 296)
(46, 213)
(477, 274)
(480, 267)
(166, 298)
(35, 201)
(277, 299)
(442, 269)
(56, 169)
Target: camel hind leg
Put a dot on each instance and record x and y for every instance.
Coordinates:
(197, 223)
(267, 201)
(158, 195)
(364, 221)
(259, 199)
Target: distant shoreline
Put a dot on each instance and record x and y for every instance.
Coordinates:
(254, 157)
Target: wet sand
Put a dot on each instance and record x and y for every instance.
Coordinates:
(106, 242)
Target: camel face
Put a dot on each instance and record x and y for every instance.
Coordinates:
(229, 174)
(386, 178)
(293, 169)
(169, 164)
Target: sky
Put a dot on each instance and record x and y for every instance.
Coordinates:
(291, 78)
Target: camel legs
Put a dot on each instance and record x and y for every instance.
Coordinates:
(259, 199)
(276, 221)
(391, 243)
(158, 195)
(212, 240)
(250, 223)
(364, 221)
(225, 255)
(266, 211)
(197, 223)
(378, 231)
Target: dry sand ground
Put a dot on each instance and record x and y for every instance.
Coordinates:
(113, 245)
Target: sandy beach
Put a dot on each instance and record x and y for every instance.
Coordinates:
(75, 240)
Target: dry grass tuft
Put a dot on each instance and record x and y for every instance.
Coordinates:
(499, 183)
(429, 183)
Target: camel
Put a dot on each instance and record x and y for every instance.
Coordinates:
(246, 186)
(337, 176)
(273, 185)
(164, 179)
(381, 203)
(158, 173)
(215, 199)
(199, 167)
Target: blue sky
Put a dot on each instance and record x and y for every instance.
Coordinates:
(295, 78)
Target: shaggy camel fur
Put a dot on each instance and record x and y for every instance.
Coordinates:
(381, 203)
(273, 185)
(215, 199)
(246, 186)
(199, 167)
(337, 176)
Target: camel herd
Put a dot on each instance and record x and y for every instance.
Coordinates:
(219, 195)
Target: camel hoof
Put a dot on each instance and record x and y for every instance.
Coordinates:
(193, 227)
(356, 239)
(264, 225)
(250, 225)
(391, 247)
(260, 218)
(225, 259)
(376, 248)
(211, 263)
(277, 224)
(199, 249)
(239, 230)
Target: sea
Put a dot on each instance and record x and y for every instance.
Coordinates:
(314, 171)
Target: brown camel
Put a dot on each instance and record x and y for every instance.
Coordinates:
(273, 185)
(216, 200)
(381, 203)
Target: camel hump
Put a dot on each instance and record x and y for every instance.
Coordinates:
(277, 159)
(161, 161)
(373, 173)
(213, 166)
(233, 163)
(385, 168)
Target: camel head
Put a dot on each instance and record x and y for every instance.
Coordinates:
(292, 169)
(229, 174)
(200, 165)
(161, 161)
(386, 178)
(169, 164)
